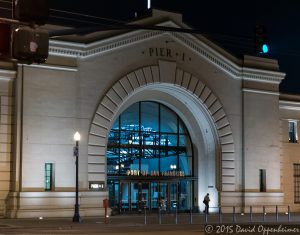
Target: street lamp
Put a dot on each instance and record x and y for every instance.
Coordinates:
(76, 217)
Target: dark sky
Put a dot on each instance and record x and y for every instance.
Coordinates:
(230, 23)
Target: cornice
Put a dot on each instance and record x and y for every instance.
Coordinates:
(7, 75)
(85, 51)
(261, 91)
(291, 105)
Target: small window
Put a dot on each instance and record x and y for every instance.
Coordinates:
(297, 183)
(262, 180)
(49, 176)
(293, 135)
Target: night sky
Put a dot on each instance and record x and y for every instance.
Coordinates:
(229, 23)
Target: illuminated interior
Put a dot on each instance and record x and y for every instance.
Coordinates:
(149, 160)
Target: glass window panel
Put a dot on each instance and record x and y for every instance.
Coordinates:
(49, 176)
(183, 140)
(116, 124)
(134, 195)
(145, 196)
(130, 118)
(293, 135)
(124, 196)
(164, 196)
(185, 195)
(168, 140)
(297, 183)
(112, 155)
(133, 149)
(185, 164)
(168, 164)
(173, 195)
(168, 120)
(154, 195)
(149, 165)
(182, 128)
(113, 189)
(149, 117)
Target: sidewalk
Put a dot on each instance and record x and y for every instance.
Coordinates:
(135, 224)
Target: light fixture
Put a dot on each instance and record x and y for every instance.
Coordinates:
(77, 136)
(173, 167)
(76, 217)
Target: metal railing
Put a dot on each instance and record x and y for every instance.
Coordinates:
(220, 215)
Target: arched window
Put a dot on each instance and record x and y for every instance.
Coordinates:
(149, 139)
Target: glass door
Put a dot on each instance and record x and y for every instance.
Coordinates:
(164, 196)
(113, 189)
(145, 195)
(173, 195)
(124, 196)
(154, 195)
(134, 195)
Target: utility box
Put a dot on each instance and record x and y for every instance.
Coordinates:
(30, 44)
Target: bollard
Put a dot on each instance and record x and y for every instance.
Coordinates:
(220, 215)
(145, 215)
(105, 205)
(233, 215)
(159, 215)
(176, 218)
(191, 216)
(289, 214)
(264, 213)
(251, 215)
(276, 213)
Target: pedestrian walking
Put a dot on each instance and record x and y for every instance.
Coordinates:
(206, 201)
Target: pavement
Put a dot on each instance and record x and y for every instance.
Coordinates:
(140, 224)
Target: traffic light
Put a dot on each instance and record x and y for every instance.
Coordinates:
(261, 41)
(30, 43)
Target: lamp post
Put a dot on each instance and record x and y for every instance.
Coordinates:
(76, 217)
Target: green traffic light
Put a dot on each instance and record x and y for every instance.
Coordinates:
(265, 48)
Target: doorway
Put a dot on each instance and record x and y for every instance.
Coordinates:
(136, 196)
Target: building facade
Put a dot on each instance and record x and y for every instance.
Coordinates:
(164, 118)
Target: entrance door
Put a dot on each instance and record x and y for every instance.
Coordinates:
(173, 195)
(164, 196)
(113, 189)
(134, 196)
(138, 195)
(145, 195)
(124, 196)
(154, 199)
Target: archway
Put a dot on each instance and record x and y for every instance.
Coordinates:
(196, 105)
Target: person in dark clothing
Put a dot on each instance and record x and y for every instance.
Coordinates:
(206, 201)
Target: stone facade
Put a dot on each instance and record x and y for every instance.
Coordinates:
(232, 108)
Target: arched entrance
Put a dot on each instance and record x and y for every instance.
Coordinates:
(150, 160)
(197, 107)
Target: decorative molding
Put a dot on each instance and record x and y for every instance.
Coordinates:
(84, 51)
(262, 75)
(53, 67)
(7, 75)
(261, 91)
(292, 105)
